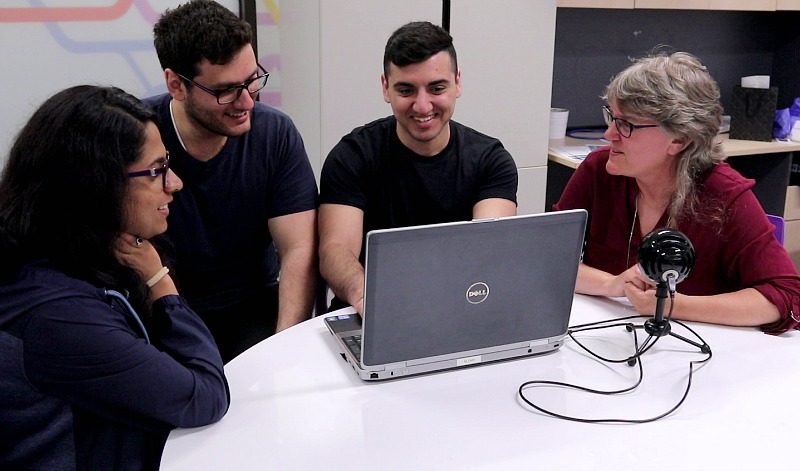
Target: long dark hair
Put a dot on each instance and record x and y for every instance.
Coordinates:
(64, 185)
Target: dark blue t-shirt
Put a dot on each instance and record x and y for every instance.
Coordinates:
(218, 221)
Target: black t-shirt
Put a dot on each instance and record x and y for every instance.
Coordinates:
(372, 170)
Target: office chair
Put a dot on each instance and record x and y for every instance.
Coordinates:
(780, 227)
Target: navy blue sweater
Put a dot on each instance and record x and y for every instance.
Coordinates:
(81, 388)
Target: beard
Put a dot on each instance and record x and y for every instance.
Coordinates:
(212, 122)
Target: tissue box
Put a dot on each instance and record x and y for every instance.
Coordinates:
(753, 113)
(756, 81)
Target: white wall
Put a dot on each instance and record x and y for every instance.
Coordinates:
(50, 45)
(505, 51)
(324, 56)
(332, 53)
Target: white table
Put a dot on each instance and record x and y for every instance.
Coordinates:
(295, 404)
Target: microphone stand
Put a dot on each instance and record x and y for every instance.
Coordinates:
(657, 326)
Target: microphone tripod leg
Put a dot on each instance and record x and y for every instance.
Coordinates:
(704, 348)
(664, 330)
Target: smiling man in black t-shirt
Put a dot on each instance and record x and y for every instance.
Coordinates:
(415, 167)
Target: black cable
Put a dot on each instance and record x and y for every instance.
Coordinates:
(632, 360)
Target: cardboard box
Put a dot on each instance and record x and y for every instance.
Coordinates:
(792, 210)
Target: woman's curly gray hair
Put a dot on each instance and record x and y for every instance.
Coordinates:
(676, 91)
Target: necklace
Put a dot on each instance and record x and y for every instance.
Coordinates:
(175, 125)
(633, 227)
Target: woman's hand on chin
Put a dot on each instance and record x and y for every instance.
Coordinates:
(137, 253)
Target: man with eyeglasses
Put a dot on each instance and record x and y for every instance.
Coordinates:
(247, 181)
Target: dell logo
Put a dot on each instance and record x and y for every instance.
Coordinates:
(477, 293)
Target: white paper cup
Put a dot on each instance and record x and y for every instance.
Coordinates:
(558, 122)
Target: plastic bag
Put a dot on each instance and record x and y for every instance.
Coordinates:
(785, 119)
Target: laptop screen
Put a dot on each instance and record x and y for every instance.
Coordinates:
(448, 288)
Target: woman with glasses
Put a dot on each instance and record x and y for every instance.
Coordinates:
(664, 167)
(99, 356)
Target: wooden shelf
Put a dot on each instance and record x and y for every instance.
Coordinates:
(595, 3)
(732, 148)
(768, 163)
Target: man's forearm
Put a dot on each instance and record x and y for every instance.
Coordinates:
(343, 273)
(297, 289)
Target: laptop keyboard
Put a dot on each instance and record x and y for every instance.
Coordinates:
(353, 342)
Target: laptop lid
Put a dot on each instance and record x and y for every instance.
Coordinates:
(448, 295)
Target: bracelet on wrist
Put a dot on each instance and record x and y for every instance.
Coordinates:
(160, 274)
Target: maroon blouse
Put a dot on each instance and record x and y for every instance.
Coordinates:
(742, 252)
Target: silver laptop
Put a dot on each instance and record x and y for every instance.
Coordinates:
(457, 294)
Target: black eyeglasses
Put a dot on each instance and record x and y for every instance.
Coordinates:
(624, 127)
(229, 95)
(154, 172)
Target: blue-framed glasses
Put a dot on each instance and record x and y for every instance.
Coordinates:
(229, 95)
(154, 172)
(624, 127)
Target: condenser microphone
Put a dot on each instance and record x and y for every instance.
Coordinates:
(666, 256)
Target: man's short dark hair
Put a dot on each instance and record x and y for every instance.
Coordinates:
(197, 30)
(417, 42)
